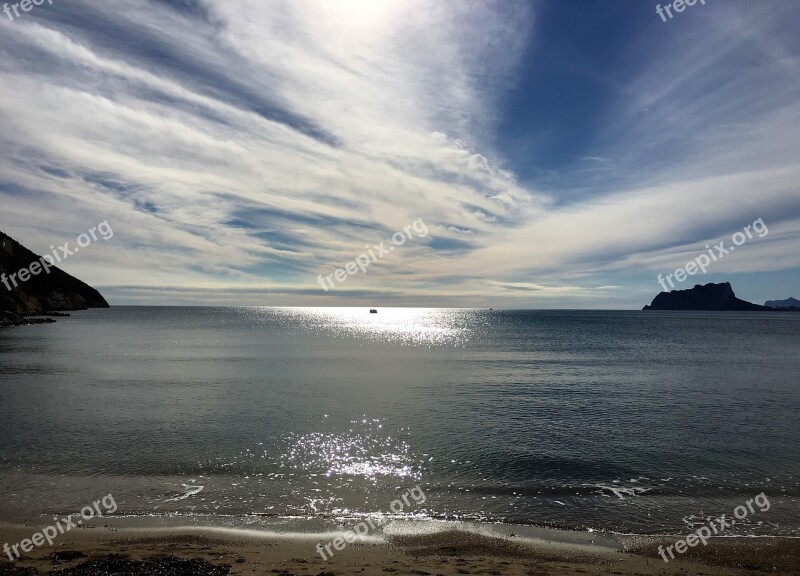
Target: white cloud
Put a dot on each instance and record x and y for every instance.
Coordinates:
(257, 149)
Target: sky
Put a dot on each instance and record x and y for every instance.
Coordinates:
(552, 154)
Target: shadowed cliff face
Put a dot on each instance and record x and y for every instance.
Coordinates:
(43, 292)
(709, 297)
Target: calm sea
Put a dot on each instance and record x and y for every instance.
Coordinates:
(628, 422)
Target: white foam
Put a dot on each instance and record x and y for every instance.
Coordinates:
(189, 491)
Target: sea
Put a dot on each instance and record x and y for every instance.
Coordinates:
(617, 422)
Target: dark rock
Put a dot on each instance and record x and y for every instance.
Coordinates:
(8, 319)
(8, 569)
(67, 555)
(54, 291)
(713, 297)
(119, 565)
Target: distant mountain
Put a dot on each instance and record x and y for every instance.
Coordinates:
(42, 292)
(715, 297)
(789, 303)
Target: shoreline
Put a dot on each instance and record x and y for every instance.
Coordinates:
(450, 549)
(306, 526)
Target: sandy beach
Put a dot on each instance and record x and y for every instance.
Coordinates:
(95, 551)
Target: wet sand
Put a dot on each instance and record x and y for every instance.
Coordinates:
(194, 551)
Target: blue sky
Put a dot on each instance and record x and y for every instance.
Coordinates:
(561, 154)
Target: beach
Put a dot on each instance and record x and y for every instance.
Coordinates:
(87, 552)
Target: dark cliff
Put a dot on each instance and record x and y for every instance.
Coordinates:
(714, 297)
(43, 292)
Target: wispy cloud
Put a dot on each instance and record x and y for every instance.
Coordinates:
(240, 148)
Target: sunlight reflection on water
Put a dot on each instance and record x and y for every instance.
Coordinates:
(360, 452)
(405, 326)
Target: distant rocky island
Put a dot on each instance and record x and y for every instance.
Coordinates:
(41, 293)
(792, 304)
(711, 297)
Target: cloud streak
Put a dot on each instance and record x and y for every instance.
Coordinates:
(241, 148)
